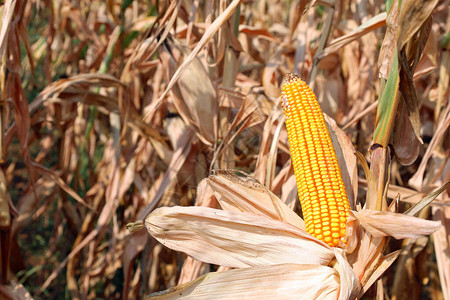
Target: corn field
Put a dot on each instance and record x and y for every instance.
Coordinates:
(128, 126)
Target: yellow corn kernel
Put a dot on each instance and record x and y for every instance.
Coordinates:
(319, 182)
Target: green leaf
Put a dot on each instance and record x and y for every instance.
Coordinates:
(387, 106)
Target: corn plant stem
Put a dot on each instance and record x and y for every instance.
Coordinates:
(386, 113)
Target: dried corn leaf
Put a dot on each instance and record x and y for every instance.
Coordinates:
(406, 145)
(389, 46)
(197, 97)
(211, 30)
(368, 26)
(247, 283)
(413, 14)
(236, 191)
(416, 181)
(234, 239)
(383, 223)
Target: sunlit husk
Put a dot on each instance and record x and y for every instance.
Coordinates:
(234, 239)
(244, 193)
(349, 282)
(285, 281)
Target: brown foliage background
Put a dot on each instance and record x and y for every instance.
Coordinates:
(113, 108)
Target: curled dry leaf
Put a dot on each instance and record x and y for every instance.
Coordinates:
(370, 25)
(406, 145)
(388, 48)
(195, 95)
(411, 17)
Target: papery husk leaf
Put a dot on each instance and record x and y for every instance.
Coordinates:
(371, 198)
(352, 233)
(384, 264)
(363, 249)
(234, 239)
(399, 226)
(192, 268)
(245, 194)
(285, 281)
(367, 255)
(347, 160)
(205, 195)
(350, 285)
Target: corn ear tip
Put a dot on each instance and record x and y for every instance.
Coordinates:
(290, 77)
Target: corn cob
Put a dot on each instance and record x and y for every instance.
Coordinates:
(320, 187)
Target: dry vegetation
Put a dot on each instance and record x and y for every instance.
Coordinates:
(110, 109)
